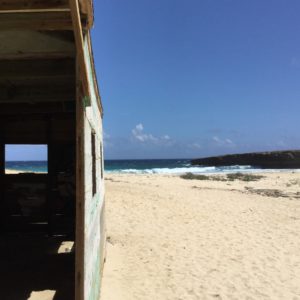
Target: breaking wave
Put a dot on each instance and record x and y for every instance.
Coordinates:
(186, 169)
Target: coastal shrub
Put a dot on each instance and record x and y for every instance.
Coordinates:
(218, 178)
(230, 177)
(194, 176)
(244, 177)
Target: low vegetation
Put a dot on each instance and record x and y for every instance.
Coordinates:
(228, 177)
(244, 177)
(195, 176)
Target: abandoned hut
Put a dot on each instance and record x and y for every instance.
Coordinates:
(52, 234)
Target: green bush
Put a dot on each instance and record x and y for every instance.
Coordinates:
(194, 176)
(243, 177)
(230, 177)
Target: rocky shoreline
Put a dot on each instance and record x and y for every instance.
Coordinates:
(289, 159)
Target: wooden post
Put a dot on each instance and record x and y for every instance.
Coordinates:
(2, 158)
(80, 196)
(2, 173)
(50, 178)
(79, 41)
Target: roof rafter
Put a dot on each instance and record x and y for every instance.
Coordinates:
(77, 27)
(36, 20)
(32, 4)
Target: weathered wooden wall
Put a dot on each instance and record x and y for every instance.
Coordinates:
(35, 130)
(90, 217)
(40, 41)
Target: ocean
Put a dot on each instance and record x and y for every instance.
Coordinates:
(141, 166)
(27, 166)
(165, 166)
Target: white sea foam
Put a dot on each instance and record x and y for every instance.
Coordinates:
(191, 169)
(180, 170)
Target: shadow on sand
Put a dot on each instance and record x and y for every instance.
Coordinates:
(31, 263)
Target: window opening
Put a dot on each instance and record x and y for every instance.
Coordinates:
(26, 159)
(94, 178)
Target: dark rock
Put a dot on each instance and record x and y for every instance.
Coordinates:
(268, 160)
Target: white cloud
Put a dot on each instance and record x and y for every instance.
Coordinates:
(228, 141)
(216, 139)
(107, 142)
(139, 135)
(223, 142)
(139, 127)
(105, 136)
(195, 146)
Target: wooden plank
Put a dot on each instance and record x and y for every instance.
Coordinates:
(32, 44)
(86, 7)
(37, 71)
(36, 55)
(34, 67)
(94, 233)
(32, 11)
(57, 117)
(22, 131)
(2, 183)
(36, 21)
(38, 80)
(50, 177)
(78, 33)
(30, 4)
(2, 158)
(80, 199)
(11, 109)
(94, 75)
(34, 130)
(36, 94)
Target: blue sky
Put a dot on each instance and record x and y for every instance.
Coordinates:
(26, 152)
(184, 79)
(198, 77)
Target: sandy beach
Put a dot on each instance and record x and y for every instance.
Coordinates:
(11, 171)
(175, 239)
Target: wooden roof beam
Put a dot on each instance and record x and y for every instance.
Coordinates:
(32, 4)
(35, 55)
(27, 70)
(48, 6)
(36, 94)
(86, 8)
(37, 20)
(38, 108)
(79, 41)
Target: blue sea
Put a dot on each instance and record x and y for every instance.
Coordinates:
(166, 166)
(141, 166)
(27, 166)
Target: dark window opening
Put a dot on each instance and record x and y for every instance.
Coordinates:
(94, 178)
(101, 159)
(26, 159)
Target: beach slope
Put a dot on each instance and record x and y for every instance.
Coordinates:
(171, 238)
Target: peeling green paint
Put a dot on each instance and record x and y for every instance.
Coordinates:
(86, 101)
(96, 201)
(94, 293)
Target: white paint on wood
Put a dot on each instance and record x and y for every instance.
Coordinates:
(94, 236)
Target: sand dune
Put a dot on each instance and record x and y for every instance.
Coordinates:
(172, 239)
